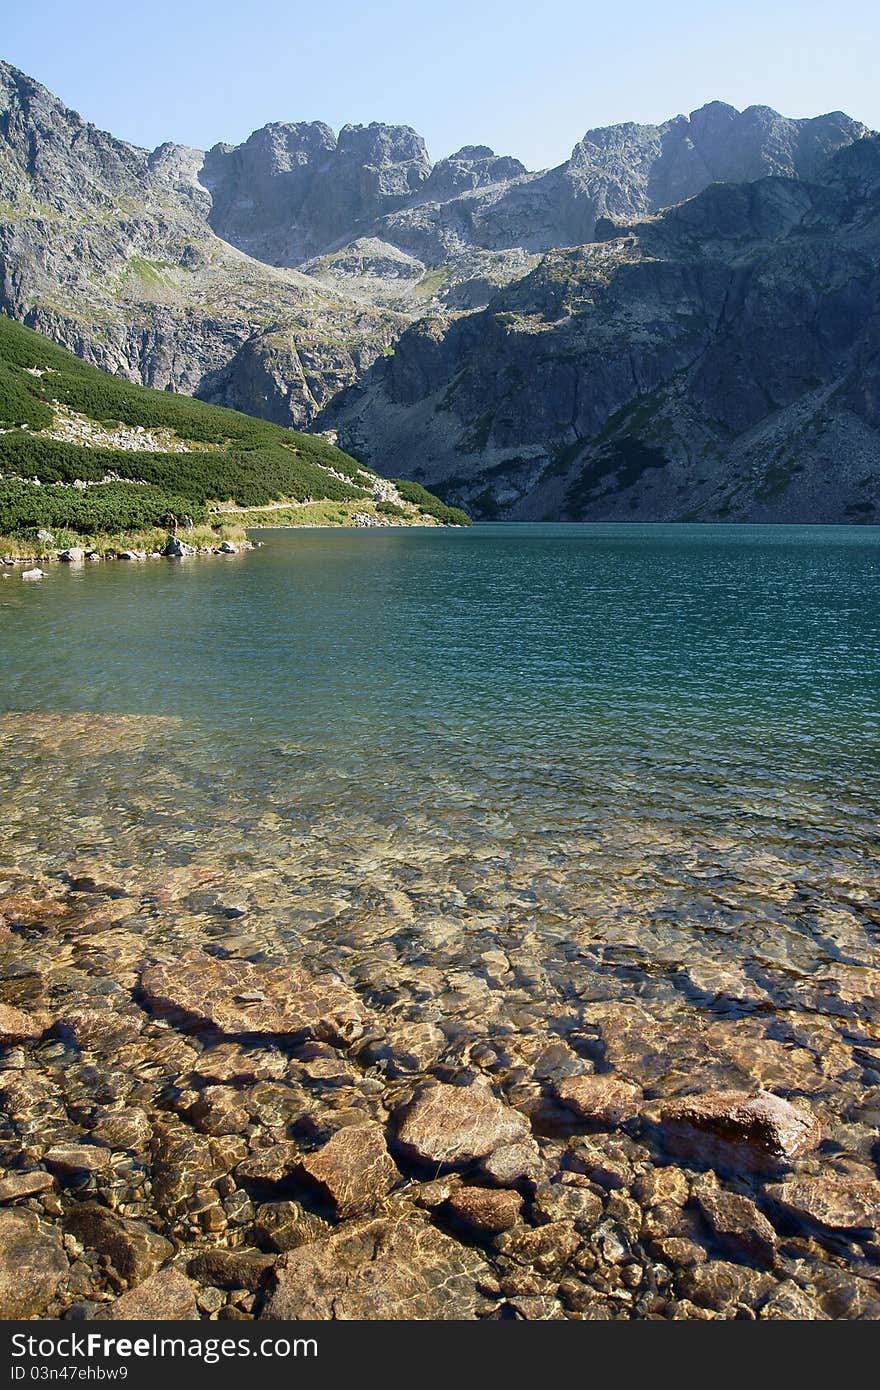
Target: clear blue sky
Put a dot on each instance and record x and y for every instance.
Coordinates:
(527, 79)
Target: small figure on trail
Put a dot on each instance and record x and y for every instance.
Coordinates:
(188, 524)
(172, 525)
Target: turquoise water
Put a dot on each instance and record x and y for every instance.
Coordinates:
(635, 759)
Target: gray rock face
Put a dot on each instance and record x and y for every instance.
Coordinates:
(715, 363)
(385, 1268)
(122, 238)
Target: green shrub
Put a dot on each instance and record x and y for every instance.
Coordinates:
(431, 505)
(390, 509)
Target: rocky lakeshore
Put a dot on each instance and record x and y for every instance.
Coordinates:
(237, 1086)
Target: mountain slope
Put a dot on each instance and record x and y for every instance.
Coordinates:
(85, 453)
(101, 251)
(270, 275)
(716, 361)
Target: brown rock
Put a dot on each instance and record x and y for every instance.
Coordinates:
(32, 1264)
(230, 1269)
(722, 1286)
(219, 1110)
(484, 1209)
(735, 1221)
(282, 1226)
(271, 1164)
(511, 1163)
(600, 1099)
(69, 1159)
(546, 1250)
(134, 1250)
(790, 1303)
(731, 1129)
(240, 998)
(165, 1297)
(399, 1269)
(658, 1185)
(15, 1185)
(231, 1062)
(16, 1026)
(123, 1129)
(837, 1203)
(454, 1125)
(354, 1169)
(558, 1202)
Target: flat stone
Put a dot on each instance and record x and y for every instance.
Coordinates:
(270, 1165)
(230, 1269)
(123, 1129)
(32, 1264)
(16, 1026)
(241, 999)
(720, 1285)
(165, 1297)
(232, 1062)
(69, 1159)
(15, 1185)
(838, 1202)
(511, 1163)
(600, 1099)
(484, 1209)
(399, 1269)
(735, 1221)
(354, 1169)
(134, 1250)
(452, 1126)
(731, 1129)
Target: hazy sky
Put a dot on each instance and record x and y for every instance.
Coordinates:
(527, 79)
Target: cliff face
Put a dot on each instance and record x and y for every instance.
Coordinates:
(429, 313)
(718, 361)
(107, 249)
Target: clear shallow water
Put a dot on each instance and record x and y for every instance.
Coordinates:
(574, 795)
(640, 761)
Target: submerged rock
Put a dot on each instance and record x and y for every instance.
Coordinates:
(17, 1026)
(838, 1202)
(354, 1169)
(600, 1099)
(390, 1268)
(134, 1250)
(32, 1264)
(165, 1297)
(16, 1185)
(733, 1129)
(454, 1125)
(485, 1210)
(735, 1221)
(282, 1226)
(240, 999)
